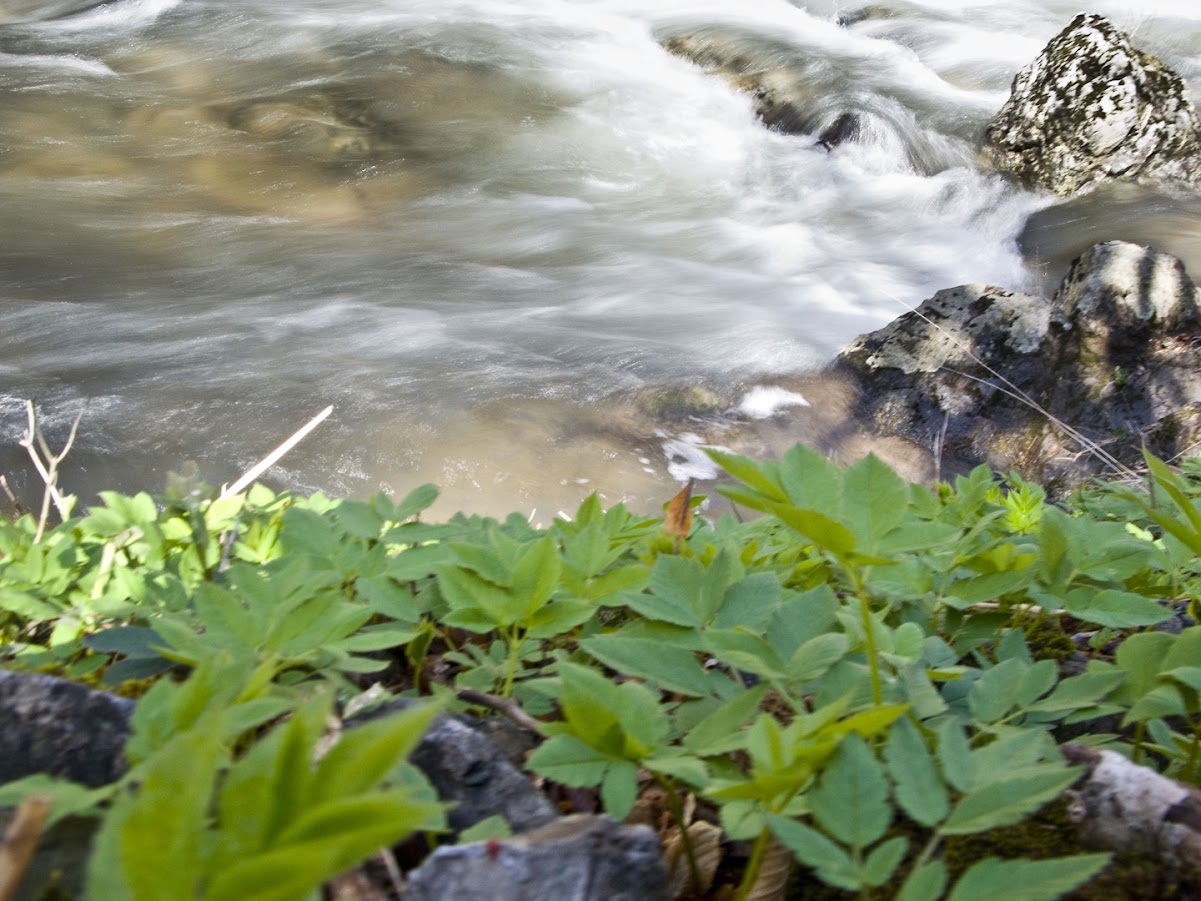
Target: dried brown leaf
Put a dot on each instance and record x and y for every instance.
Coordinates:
(21, 841)
(706, 847)
(677, 520)
(773, 874)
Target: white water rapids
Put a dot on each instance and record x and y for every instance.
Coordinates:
(482, 228)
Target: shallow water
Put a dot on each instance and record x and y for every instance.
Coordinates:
(485, 231)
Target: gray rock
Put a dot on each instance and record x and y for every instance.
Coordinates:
(578, 858)
(1115, 354)
(470, 771)
(61, 728)
(67, 730)
(1092, 108)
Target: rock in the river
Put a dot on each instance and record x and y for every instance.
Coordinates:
(752, 64)
(578, 858)
(1115, 355)
(1092, 108)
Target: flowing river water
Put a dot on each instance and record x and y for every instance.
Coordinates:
(515, 243)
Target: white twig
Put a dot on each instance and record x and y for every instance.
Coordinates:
(272, 458)
(48, 468)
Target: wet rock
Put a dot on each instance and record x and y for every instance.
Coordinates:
(1092, 108)
(13, 11)
(61, 728)
(844, 128)
(783, 98)
(578, 858)
(992, 375)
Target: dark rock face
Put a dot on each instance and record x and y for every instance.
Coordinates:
(61, 728)
(578, 858)
(1115, 355)
(470, 771)
(1092, 108)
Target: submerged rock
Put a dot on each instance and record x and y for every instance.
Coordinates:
(754, 65)
(1112, 361)
(1092, 108)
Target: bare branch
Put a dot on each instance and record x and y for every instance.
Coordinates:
(272, 458)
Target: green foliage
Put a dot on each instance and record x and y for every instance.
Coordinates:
(847, 674)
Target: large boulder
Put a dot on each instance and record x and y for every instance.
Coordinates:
(1092, 108)
(1059, 389)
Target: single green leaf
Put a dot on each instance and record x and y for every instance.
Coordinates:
(1115, 609)
(919, 790)
(815, 657)
(536, 576)
(414, 502)
(813, 849)
(673, 669)
(875, 499)
(955, 755)
(993, 879)
(365, 755)
(1036, 682)
(163, 819)
(494, 827)
(1005, 801)
(1080, 691)
(926, 883)
(884, 860)
(850, 801)
(566, 759)
(748, 472)
(995, 693)
(824, 532)
(721, 731)
(619, 788)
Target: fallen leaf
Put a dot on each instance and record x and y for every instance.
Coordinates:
(678, 518)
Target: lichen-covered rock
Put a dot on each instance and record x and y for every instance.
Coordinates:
(1092, 108)
(1113, 360)
(577, 858)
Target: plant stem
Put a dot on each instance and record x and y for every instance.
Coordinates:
(677, 814)
(513, 640)
(751, 875)
(869, 636)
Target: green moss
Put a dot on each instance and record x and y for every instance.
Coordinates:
(1045, 635)
(1051, 833)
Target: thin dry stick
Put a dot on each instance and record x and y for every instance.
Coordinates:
(272, 458)
(389, 861)
(12, 497)
(20, 842)
(48, 468)
(507, 706)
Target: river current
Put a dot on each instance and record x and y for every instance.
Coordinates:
(501, 237)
